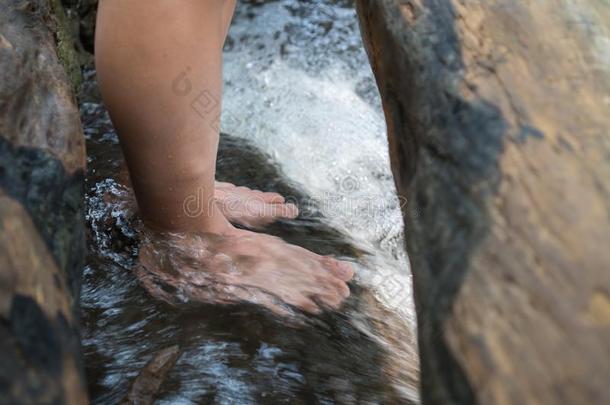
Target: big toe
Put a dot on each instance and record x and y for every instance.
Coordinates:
(273, 198)
(340, 269)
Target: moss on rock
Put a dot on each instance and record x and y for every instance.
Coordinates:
(65, 40)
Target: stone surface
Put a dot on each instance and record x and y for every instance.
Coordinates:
(498, 122)
(42, 158)
(146, 385)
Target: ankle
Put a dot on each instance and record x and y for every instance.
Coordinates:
(212, 221)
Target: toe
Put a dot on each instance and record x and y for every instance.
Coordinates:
(273, 198)
(309, 306)
(346, 270)
(342, 270)
(222, 184)
(329, 300)
(338, 288)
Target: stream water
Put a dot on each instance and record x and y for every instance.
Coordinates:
(304, 119)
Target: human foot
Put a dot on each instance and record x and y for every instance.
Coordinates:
(241, 266)
(242, 205)
(252, 208)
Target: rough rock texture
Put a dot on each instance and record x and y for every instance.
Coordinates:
(42, 249)
(498, 121)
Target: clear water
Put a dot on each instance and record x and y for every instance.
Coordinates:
(304, 119)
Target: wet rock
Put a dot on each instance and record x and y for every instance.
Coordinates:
(498, 124)
(147, 383)
(42, 243)
(243, 348)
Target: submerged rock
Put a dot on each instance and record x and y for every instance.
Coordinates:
(146, 385)
(240, 350)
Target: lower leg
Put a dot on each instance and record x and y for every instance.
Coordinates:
(168, 130)
(163, 89)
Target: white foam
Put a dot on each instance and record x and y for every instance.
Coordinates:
(305, 110)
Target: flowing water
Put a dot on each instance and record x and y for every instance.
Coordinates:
(304, 119)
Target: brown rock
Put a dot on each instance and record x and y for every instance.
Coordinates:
(42, 249)
(498, 122)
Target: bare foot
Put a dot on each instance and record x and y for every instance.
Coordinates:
(241, 266)
(252, 208)
(242, 205)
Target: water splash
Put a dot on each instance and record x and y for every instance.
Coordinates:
(298, 84)
(299, 88)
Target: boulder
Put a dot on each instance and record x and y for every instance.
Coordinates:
(498, 125)
(42, 244)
